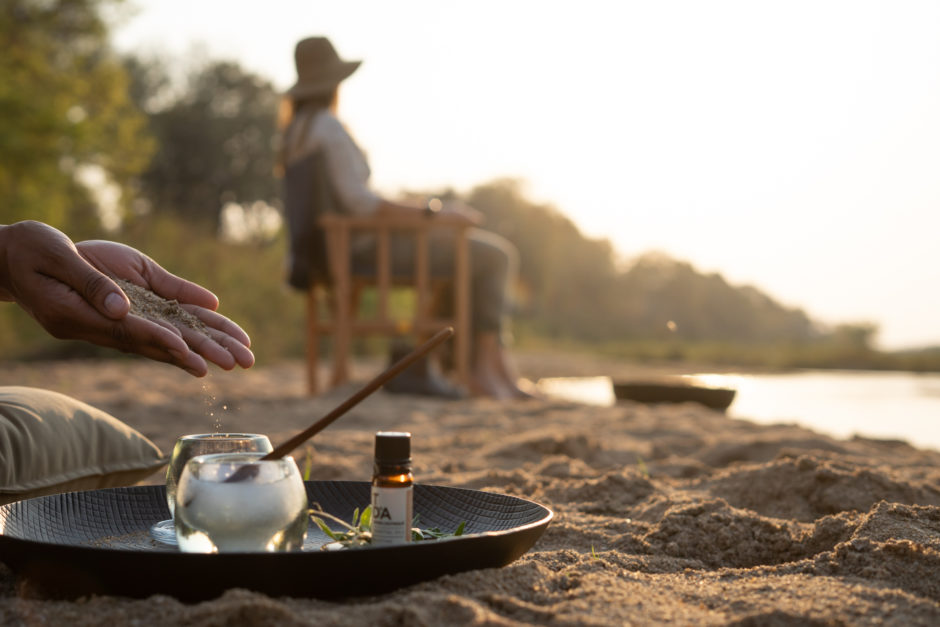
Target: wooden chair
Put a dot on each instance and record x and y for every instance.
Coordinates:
(347, 283)
(321, 262)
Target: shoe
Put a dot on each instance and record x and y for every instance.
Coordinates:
(422, 378)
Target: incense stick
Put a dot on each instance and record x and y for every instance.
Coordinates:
(373, 385)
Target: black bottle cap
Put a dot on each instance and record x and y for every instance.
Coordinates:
(393, 447)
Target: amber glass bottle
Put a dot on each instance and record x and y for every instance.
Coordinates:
(392, 488)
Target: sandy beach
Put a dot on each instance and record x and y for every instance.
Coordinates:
(663, 514)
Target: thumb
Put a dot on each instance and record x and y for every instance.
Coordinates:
(101, 292)
(61, 260)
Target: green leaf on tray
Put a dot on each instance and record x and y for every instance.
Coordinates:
(358, 532)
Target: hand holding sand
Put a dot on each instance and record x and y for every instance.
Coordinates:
(176, 304)
(206, 333)
(68, 288)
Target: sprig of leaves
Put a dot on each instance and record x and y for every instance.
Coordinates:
(358, 532)
(434, 533)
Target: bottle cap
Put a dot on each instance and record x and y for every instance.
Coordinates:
(393, 447)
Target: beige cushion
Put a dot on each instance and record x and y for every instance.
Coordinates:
(52, 443)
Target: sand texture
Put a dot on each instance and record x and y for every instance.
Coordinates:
(664, 514)
(149, 305)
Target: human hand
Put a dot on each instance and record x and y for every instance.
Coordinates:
(67, 288)
(222, 342)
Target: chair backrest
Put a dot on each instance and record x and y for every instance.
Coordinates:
(307, 196)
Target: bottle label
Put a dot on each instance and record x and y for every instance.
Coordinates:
(391, 515)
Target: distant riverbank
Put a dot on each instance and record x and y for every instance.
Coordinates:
(840, 403)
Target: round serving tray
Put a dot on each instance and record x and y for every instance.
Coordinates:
(98, 542)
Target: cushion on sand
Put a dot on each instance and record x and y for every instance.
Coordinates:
(50, 443)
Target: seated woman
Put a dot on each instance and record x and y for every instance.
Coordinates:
(309, 122)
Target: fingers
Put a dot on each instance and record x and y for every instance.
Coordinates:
(155, 341)
(237, 352)
(172, 287)
(224, 343)
(139, 336)
(123, 261)
(219, 349)
(192, 348)
(217, 321)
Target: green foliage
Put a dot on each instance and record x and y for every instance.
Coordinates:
(435, 533)
(308, 463)
(215, 138)
(570, 286)
(358, 532)
(64, 109)
(820, 354)
(560, 292)
(668, 299)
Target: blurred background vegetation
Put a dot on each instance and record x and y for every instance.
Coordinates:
(178, 161)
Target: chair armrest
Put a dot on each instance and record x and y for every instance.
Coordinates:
(418, 221)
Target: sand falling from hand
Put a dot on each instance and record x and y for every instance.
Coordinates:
(147, 304)
(211, 401)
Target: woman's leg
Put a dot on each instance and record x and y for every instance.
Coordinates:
(494, 262)
(493, 267)
(488, 372)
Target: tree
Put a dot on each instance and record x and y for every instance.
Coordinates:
(669, 297)
(573, 288)
(65, 114)
(566, 279)
(215, 139)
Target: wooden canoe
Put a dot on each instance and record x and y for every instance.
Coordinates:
(674, 392)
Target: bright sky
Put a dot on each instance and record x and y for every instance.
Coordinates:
(793, 145)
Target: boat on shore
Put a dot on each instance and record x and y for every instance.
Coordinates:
(674, 391)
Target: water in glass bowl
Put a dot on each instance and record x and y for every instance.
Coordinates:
(189, 446)
(265, 510)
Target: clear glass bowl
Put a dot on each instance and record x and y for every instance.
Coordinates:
(189, 446)
(240, 503)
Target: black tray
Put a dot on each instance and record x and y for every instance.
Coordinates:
(98, 542)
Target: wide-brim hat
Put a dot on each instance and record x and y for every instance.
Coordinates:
(319, 68)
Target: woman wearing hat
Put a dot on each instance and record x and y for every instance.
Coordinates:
(309, 123)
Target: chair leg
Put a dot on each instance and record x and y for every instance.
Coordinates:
(313, 341)
(342, 325)
(344, 333)
(462, 325)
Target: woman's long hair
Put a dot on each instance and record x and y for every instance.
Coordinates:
(293, 111)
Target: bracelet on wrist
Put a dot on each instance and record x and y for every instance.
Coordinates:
(433, 207)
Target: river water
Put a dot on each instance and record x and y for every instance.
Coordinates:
(885, 405)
